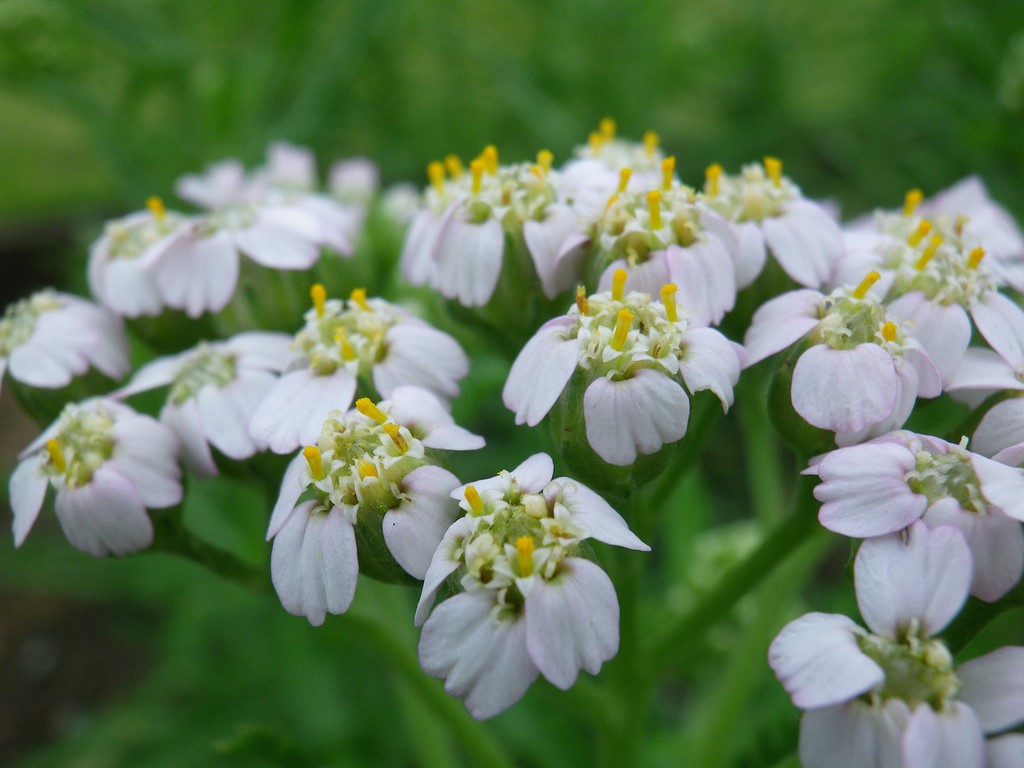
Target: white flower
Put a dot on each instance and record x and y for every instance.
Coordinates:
(1000, 433)
(529, 603)
(49, 338)
(635, 355)
(374, 467)
(214, 390)
(107, 464)
(368, 339)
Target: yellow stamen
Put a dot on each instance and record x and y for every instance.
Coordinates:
(156, 207)
(490, 158)
(911, 200)
(712, 174)
(476, 504)
(348, 352)
(315, 462)
(618, 284)
(595, 141)
(396, 437)
(581, 300)
(624, 175)
(933, 246)
(622, 326)
(651, 141)
(974, 257)
(668, 298)
(56, 454)
(366, 469)
(544, 159)
(453, 164)
(366, 407)
(773, 167)
(435, 172)
(524, 553)
(477, 169)
(319, 296)
(358, 295)
(861, 290)
(607, 128)
(668, 169)
(889, 331)
(918, 234)
(960, 223)
(654, 208)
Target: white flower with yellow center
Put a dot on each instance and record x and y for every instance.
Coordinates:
(107, 464)
(606, 154)
(342, 345)
(49, 338)
(530, 601)
(373, 470)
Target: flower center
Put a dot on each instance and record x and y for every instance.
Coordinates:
(19, 320)
(916, 671)
(83, 444)
(759, 192)
(636, 224)
(340, 334)
(129, 240)
(852, 318)
(949, 475)
(207, 367)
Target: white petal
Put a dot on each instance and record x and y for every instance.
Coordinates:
(158, 373)
(781, 322)
(442, 564)
(272, 244)
(482, 659)
(1001, 485)
(1001, 322)
(199, 274)
(427, 418)
(818, 661)
(646, 277)
(983, 369)
(948, 739)
(414, 529)
(184, 420)
(531, 476)
(50, 358)
(854, 735)
(541, 371)
(1006, 751)
(106, 515)
(636, 415)
(805, 241)
(751, 254)
(544, 240)
(146, 452)
(417, 259)
(1000, 428)
(293, 485)
(705, 275)
(467, 260)
(926, 579)
(709, 361)
(423, 356)
(27, 491)
(226, 411)
(294, 409)
(257, 349)
(993, 686)
(944, 331)
(595, 515)
(844, 390)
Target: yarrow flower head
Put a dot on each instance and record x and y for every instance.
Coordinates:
(107, 464)
(891, 696)
(631, 356)
(344, 343)
(49, 338)
(372, 476)
(529, 600)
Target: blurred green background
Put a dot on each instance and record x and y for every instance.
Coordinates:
(151, 662)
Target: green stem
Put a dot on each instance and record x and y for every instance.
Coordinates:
(705, 414)
(762, 450)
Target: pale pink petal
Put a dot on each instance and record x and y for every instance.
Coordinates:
(420, 355)
(27, 491)
(636, 415)
(751, 254)
(1005, 751)
(293, 411)
(467, 259)
(1001, 485)
(443, 564)
(704, 273)
(863, 490)
(1000, 428)
(272, 242)
(48, 360)
(592, 513)
(709, 361)
(906, 398)
(819, 662)
(1001, 322)
(414, 529)
(127, 286)
(544, 240)
(417, 259)
(146, 452)
(541, 371)
(844, 389)
(993, 686)
(943, 330)
(646, 277)
(104, 516)
(483, 659)
(221, 184)
(158, 373)
(184, 420)
(225, 421)
(781, 322)
(987, 222)
(948, 739)
(572, 621)
(199, 274)
(853, 735)
(924, 579)
(806, 242)
(257, 349)
(426, 417)
(983, 369)
(292, 487)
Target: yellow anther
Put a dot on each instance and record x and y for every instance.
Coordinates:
(477, 169)
(544, 159)
(524, 553)
(490, 158)
(618, 284)
(581, 301)
(453, 164)
(773, 167)
(654, 208)
(926, 256)
(911, 200)
(651, 141)
(56, 454)
(668, 169)
(611, 201)
(315, 462)
(668, 298)
(974, 257)
(624, 175)
(622, 325)
(919, 234)
(396, 437)
(476, 504)
(319, 296)
(865, 285)
(595, 141)
(348, 352)
(156, 207)
(959, 223)
(366, 407)
(712, 174)
(358, 295)
(537, 171)
(435, 172)
(889, 331)
(607, 128)
(366, 469)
